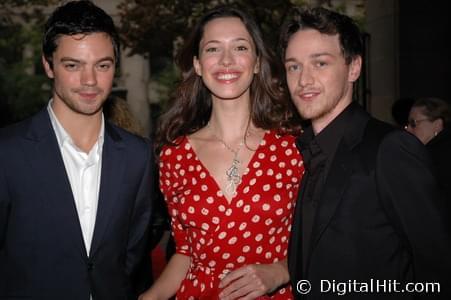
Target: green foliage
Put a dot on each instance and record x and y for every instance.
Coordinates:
(22, 80)
(21, 90)
(156, 28)
(165, 84)
(152, 27)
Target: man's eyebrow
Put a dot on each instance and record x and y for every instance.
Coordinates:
(314, 55)
(71, 59)
(107, 58)
(321, 54)
(290, 59)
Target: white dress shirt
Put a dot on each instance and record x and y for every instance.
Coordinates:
(83, 170)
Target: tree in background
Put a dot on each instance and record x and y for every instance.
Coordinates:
(23, 84)
(153, 28)
(156, 28)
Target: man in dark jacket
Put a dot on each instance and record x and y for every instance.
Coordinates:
(369, 221)
(74, 190)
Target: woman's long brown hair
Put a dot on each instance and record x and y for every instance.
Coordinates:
(191, 107)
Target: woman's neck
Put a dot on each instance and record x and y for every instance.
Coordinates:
(230, 121)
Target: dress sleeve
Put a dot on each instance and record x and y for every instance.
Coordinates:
(168, 179)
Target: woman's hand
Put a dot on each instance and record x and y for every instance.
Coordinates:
(252, 281)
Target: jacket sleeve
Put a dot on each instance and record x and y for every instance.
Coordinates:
(4, 205)
(137, 259)
(411, 196)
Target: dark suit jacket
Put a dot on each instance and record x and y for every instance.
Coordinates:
(440, 150)
(42, 254)
(380, 216)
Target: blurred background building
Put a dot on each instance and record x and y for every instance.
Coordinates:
(408, 53)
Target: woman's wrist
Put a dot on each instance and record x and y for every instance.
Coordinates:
(282, 271)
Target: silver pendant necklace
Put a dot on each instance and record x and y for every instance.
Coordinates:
(232, 173)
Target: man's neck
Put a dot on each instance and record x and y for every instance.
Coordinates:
(83, 129)
(322, 122)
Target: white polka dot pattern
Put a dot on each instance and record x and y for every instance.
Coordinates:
(253, 228)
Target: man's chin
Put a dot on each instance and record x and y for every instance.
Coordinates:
(308, 114)
(89, 111)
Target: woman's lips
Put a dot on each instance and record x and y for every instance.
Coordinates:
(227, 77)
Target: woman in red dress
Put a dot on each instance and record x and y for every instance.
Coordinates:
(229, 176)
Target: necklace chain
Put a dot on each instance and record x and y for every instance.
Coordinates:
(232, 173)
(234, 151)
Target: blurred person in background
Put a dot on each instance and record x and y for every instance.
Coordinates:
(429, 120)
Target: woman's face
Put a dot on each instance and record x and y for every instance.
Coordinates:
(420, 125)
(227, 58)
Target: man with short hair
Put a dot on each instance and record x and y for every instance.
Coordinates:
(369, 207)
(74, 190)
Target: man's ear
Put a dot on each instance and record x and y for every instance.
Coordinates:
(354, 68)
(47, 67)
(197, 66)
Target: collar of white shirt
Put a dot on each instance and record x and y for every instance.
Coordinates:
(64, 138)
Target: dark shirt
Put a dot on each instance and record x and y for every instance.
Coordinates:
(318, 153)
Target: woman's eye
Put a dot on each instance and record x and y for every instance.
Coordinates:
(292, 68)
(241, 48)
(211, 49)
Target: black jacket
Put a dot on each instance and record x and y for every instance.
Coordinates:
(380, 217)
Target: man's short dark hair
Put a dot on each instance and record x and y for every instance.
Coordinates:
(326, 22)
(78, 17)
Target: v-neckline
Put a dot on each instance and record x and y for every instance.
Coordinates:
(244, 174)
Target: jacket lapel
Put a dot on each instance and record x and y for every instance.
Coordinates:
(113, 167)
(42, 151)
(334, 186)
(295, 253)
(340, 173)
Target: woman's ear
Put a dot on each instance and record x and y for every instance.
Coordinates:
(197, 66)
(257, 66)
(438, 125)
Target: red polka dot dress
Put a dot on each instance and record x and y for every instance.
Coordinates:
(220, 237)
